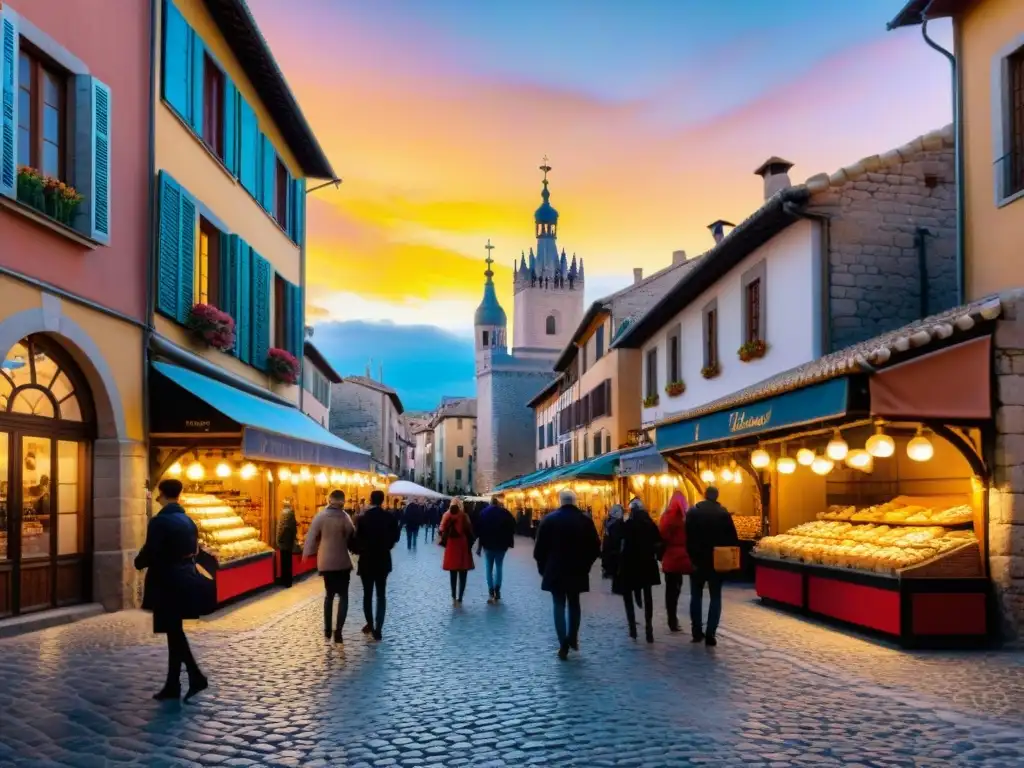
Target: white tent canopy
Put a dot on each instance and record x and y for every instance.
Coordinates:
(407, 488)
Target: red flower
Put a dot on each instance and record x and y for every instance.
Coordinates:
(213, 326)
(283, 366)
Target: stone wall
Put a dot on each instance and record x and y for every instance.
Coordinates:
(357, 413)
(876, 207)
(511, 446)
(119, 521)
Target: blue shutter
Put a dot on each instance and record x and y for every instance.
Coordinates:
(168, 273)
(99, 209)
(248, 147)
(8, 105)
(299, 211)
(230, 126)
(188, 225)
(269, 174)
(262, 282)
(235, 281)
(177, 62)
(198, 82)
(296, 318)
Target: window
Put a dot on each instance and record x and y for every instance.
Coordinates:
(597, 444)
(208, 264)
(608, 443)
(549, 325)
(281, 195)
(460, 451)
(673, 350)
(652, 373)
(42, 114)
(583, 359)
(458, 474)
(213, 107)
(280, 318)
(1015, 67)
(551, 433)
(711, 334)
(540, 437)
(458, 423)
(753, 319)
(485, 340)
(599, 343)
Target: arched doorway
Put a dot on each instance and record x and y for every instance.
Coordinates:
(47, 426)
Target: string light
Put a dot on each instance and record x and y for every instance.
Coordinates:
(707, 475)
(920, 448)
(195, 471)
(880, 445)
(248, 471)
(822, 465)
(805, 457)
(837, 447)
(321, 478)
(760, 458)
(305, 474)
(223, 470)
(284, 474)
(174, 470)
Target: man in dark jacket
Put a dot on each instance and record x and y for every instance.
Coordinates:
(708, 525)
(496, 529)
(377, 532)
(287, 542)
(413, 518)
(566, 547)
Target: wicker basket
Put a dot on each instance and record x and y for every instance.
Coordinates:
(963, 562)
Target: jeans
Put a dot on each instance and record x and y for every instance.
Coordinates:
(412, 534)
(571, 600)
(458, 579)
(372, 582)
(178, 653)
(494, 561)
(697, 582)
(336, 583)
(673, 588)
(627, 598)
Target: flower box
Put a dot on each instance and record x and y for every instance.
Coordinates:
(675, 388)
(212, 326)
(283, 366)
(752, 350)
(48, 195)
(710, 371)
(651, 400)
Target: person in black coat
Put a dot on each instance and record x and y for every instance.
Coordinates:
(413, 518)
(172, 540)
(708, 525)
(638, 565)
(496, 529)
(566, 547)
(377, 532)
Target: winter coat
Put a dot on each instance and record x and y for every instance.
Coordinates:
(566, 547)
(377, 531)
(329, 536)
(673, 535)
(496, 528)
(708, 525)
(458, 549)
(638, 561)
(287, 531)
(611, 546)
(172, 539)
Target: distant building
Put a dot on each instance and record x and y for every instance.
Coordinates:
(317, 378)
(452, 445)
(413, 422)
(367, 413)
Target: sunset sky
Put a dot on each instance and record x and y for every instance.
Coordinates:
(653, 114)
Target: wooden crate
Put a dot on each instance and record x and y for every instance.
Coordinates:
(962, 562)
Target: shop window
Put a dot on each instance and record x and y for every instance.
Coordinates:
(711, 335)
(208, 264)
(69, 498)
(549, 325)
(460, 451)
(281, 183)
(213, 107)
(651, 389)
(280, 317)
(42, 113)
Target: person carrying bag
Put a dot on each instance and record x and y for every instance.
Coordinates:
(709, 529)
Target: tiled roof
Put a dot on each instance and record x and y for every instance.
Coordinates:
(551, 386)
(867, 356)
(463, 408)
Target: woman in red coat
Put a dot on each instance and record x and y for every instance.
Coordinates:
(675, 562)
(457, 535)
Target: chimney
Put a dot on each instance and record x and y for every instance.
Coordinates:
(718, 229)
(678, 257)
(775, 172)
(638, 274)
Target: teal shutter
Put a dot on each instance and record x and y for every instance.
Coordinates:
(168, 273)
(9, 101)
(235, 282)
(269, 174)
(177, 62)
(285, 322)
(262, 282)
(299, 211)
(188, 225)
(198, 82)
(296, 317)
(248, 147)
(99, 209)
(230, 126)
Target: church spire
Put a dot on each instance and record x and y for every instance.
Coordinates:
(490, 313)
(546, 217)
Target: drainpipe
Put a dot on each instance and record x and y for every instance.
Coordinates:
(150, 288)
(825, 288)
(958, 148)
(922, 268)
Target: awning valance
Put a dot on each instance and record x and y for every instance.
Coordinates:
(269, 431)
(642, 461)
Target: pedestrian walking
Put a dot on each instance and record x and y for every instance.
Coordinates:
(675, 560)
(172, 541)
(611, 542)
(377, 532)
(287, 542)
(329, 537)
(708, 525)
(413, 517)
(457, 540)
(638, 566)
(566, 547)
(497, 535)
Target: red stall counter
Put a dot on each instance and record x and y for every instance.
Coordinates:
(300, 566)
(237, 578)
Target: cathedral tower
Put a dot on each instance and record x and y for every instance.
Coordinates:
(489, 322)
(548, 288)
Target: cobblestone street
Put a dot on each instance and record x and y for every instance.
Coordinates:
(481, 686)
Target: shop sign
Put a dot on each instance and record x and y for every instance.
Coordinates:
(268, 446)
(645, 462)
(802, 406)
(175, 411)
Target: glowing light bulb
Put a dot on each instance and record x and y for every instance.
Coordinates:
(785, 465)
(305, 474)
(195, 471)
(920, 448)
(270, 476)
(880, 445)
(805, 457)
(837, 448)
(294, 477)
(858, 459)
(737, 477)
(283, 474)
(760, 458)
(652, 480)
(665, 481)
(335, 478)
(726, 475)
(707, 475)
(321, 479)
(822, 465)
(174, 470)
(248, 472)
(223, 470)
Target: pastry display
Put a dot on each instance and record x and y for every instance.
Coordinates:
(222, 531)
(880, 548)
(747, 526)
(898, 513)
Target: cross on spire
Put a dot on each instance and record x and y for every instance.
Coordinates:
(489, 273)
(545, 167)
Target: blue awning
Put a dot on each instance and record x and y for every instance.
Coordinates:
(270, 431)
(642, 461)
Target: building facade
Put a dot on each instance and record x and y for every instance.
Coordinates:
(317, 378)
(72, 428)
(454, 442)
(367, 413)
(548, 306)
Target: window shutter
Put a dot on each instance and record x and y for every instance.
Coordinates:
(177, 63)
(197, 82)
(169, 245)
(262, 280)
(248, 147)
(230, 127)
(298, 218)
(95, 110)
(296, 317)
(607, 397)
(269, 168)
(9, 101)
(236, 291)
(187, 260)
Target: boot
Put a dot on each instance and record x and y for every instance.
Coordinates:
(497, 594)
(650, 634)
(632, 629)
(490, 599)
(196, 684)
(337, 637)
(168, 692)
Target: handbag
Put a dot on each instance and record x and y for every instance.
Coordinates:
(726, 559)
(197, 590)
